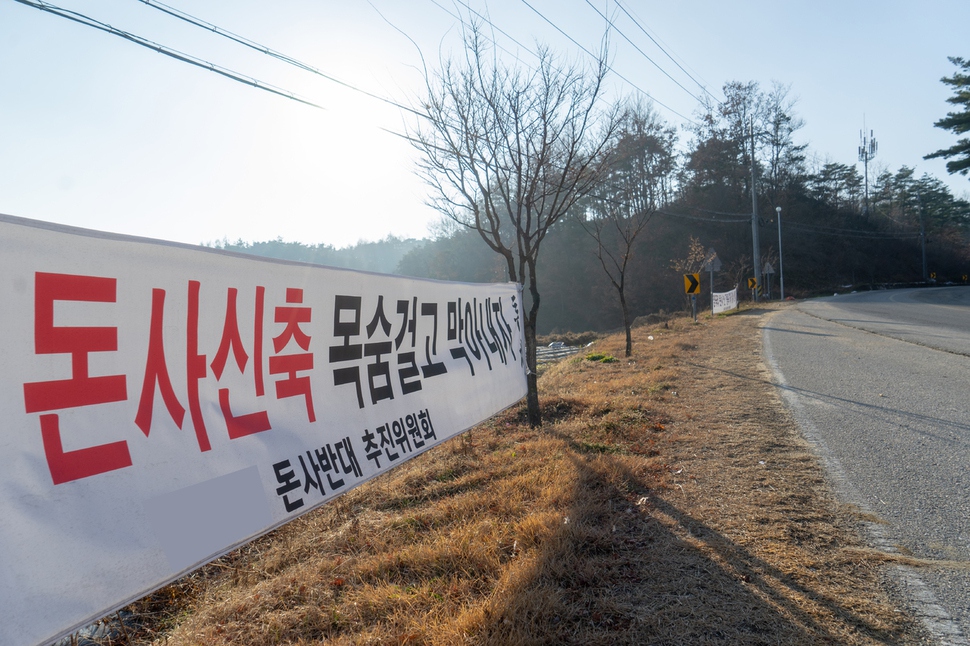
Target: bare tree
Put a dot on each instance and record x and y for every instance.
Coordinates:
(636, 185)
(508, 151)
(785, 160)
(719, 162)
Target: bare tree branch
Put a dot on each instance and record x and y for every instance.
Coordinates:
(508, 152)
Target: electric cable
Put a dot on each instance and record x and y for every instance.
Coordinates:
(181, 15)
(167, 51)
(487, 20)
(851, 233)
(654, 40)
(198, 62)
(699, 218)
(744, 215)
(642, 53)
(618, 75)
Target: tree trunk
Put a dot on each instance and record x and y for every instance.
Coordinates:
(626, 324)
(532, 396)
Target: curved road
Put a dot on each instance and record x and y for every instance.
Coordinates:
(880, 384)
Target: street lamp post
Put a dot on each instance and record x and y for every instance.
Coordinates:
(781, 268)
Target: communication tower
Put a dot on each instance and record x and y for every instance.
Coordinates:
(867, 150)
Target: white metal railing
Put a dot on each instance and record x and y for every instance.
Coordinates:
(549, 354)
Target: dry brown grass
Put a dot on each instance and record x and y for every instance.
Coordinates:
(667, 500)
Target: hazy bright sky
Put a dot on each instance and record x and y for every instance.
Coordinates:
(101, 133)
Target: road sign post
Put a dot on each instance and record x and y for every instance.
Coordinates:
(781, 266)
(692, 283)
(713, 264)
(767, 273)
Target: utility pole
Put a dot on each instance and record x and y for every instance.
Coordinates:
(922, 233)
(712, 264)
(756, 255)
(781, 267)
(867, 150)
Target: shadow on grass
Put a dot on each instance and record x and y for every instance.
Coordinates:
(627, 566)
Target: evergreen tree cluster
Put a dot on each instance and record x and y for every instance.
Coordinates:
(957, 122)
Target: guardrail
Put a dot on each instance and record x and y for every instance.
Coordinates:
(548, 354)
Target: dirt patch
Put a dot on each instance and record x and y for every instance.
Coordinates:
(669, 499)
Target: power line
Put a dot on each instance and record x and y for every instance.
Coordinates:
(198, 62)
(492, 24)
(489, 22)
(167, 51)
(595, 57)
(711, 219)
(738, 217)
(851, 233)
(253, 82)
(810, 228)
(746, 216)
(642, 53)
(181, 15)
(647, 34)
(495, 27)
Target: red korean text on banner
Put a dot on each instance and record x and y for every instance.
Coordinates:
(81, 389)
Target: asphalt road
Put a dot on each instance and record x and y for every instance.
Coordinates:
(880, 384)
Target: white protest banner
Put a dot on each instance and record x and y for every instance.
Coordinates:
(722, 302)
(164, 403)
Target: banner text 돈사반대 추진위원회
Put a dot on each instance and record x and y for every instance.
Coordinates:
(164, 403)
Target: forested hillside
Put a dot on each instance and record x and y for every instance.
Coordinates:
(695, 195)
(382, 256)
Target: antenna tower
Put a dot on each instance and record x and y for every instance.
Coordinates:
(868, 147)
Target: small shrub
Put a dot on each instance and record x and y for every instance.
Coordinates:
(601, 358)
(598, 447)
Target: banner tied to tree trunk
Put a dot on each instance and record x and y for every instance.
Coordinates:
(722, 302)
(164, 403)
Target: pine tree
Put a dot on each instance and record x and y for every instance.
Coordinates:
(958, 122)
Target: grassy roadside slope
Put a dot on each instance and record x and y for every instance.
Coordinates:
(668, 500)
